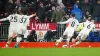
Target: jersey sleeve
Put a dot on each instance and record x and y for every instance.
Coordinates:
(64, 22)
(77, 23)
(4, 19)
(28, 21)
(94, 26)
(31, 15)
(28, 17)
(94, 29)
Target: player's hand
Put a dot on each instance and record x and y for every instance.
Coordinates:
(34, 14)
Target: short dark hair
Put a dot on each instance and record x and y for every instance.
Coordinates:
(73, 15)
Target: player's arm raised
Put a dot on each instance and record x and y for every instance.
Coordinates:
(3, 19)
(64, 22)
(32, 15)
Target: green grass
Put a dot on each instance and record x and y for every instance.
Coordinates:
(50, 52)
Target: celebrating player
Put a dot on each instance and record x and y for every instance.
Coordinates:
(89, 26)
(72, 25)
(22, 28)
(13, 19)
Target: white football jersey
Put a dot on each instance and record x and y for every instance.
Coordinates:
(89, 26)
(24, 22)
(13, 19)
(72, 23)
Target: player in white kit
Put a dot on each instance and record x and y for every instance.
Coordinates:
(72, 25)
(13, 19)
(83, 34)
(22, 28)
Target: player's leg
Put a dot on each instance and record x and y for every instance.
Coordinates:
(64, 35)
(69, 36)
(76, 43)
(18, 39)
(78, 37)
(78, 40)
(26, 33)
(83, 37)
(60, 40)
(67, 42)
(10, 37)
(8, 42)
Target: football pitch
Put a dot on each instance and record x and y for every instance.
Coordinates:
(50, 52)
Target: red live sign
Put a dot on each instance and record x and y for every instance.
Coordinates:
(97, 25)
(51, 26)
(43, 26)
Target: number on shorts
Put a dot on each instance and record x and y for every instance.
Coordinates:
(13, 19)
(89, 26)
(73, 24)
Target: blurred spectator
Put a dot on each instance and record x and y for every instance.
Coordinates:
(96, 11)
(36, 5)
(49, 35)
(53, 11)
(58, 14)
(86, 6)
(24, 7)
(92, 2)
(1, 16)
(31, 7)
(34, 20)
(6, 14)
(46, 20)
(69, 1)
(18, 1)
(48, 11)
(53, 2)
(77, 12)
(10, 6)
(41, 12)
(32, 37)
(65, 18)
(86, 15)
(1, 5)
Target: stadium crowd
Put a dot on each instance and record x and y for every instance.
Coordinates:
(51, 11)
